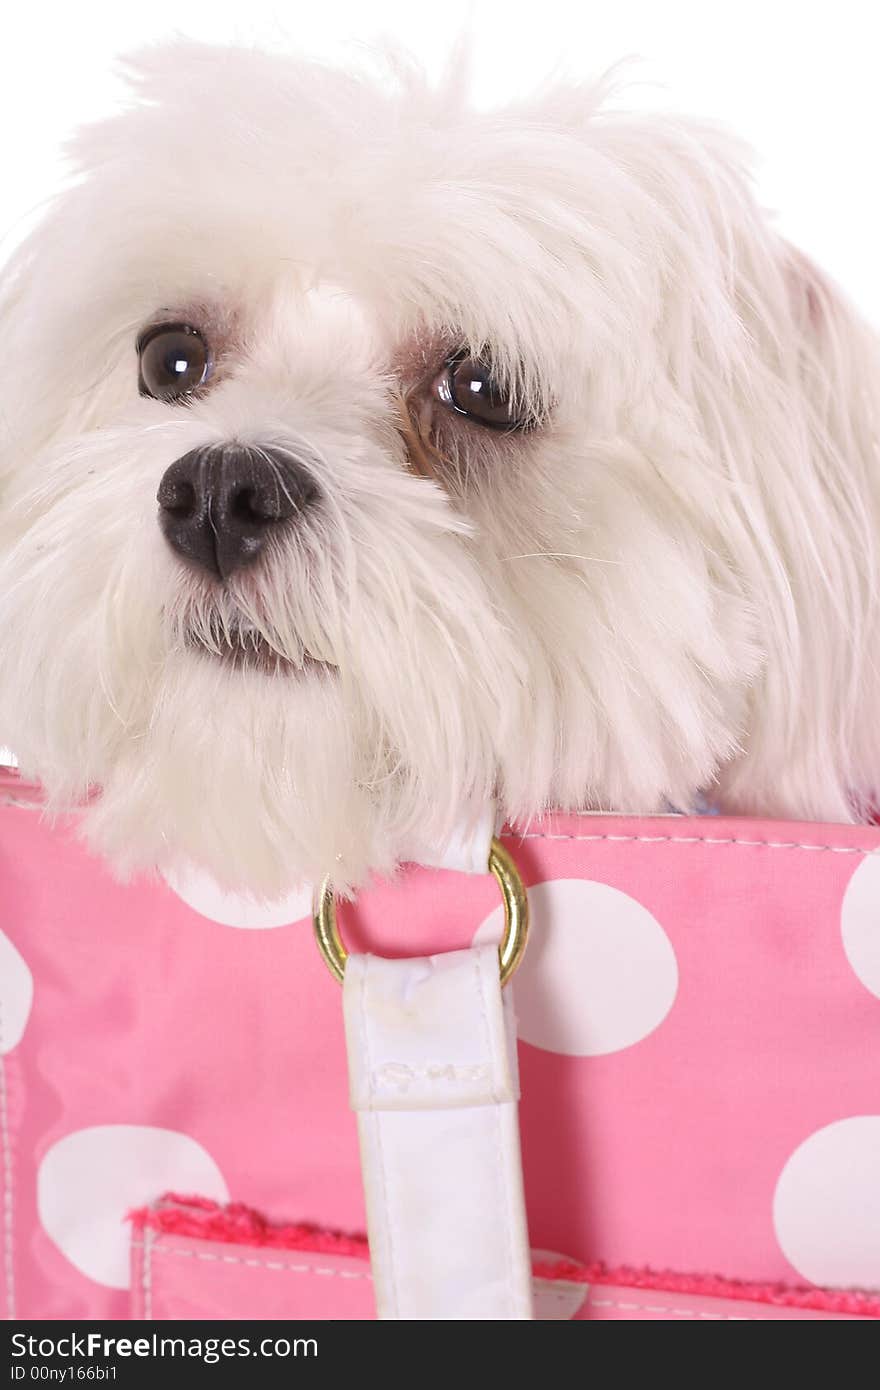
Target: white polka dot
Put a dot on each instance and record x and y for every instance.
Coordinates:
(860, 923)
(89, 1181)
(599, 973)
(16, 994)
(200, 892)
(826, 1208)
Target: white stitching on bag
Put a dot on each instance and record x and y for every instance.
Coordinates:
(673, 1312)
(375, 1124)
(152, 1245)
(503, 1173)
(7, 1174)
(9, 799)
(147, 1245)
(687, 840)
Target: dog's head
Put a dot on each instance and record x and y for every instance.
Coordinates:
(365, 456)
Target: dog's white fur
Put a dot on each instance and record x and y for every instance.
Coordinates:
(669, 583)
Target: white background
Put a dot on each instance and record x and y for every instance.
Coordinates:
(799, 81)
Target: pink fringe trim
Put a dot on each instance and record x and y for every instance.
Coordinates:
(237, 1224)
(853, 1301)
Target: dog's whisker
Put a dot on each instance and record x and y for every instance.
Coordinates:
(561, 555)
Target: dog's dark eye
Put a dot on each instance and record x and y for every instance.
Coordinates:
(467, 386)
(174, 361)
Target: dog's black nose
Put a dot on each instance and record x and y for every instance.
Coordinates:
(219, 506)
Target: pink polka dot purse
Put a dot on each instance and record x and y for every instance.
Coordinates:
(697, 1025)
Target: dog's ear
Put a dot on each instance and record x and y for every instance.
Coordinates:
(837, 358)
(57, 343)
(13, 345)
(33, 291)
(814, 745)
(839, 367)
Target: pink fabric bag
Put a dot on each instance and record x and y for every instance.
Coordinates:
(699, 1024)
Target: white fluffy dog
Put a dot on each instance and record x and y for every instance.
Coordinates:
(506, 453)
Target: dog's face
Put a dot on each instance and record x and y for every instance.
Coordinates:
(358, 465)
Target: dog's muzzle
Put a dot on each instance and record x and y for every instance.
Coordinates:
(220, 506)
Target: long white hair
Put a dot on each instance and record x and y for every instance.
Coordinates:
(665, 582)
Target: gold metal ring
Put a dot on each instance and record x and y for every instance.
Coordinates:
(516, 918)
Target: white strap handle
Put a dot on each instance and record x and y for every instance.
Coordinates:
(432, 1067)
